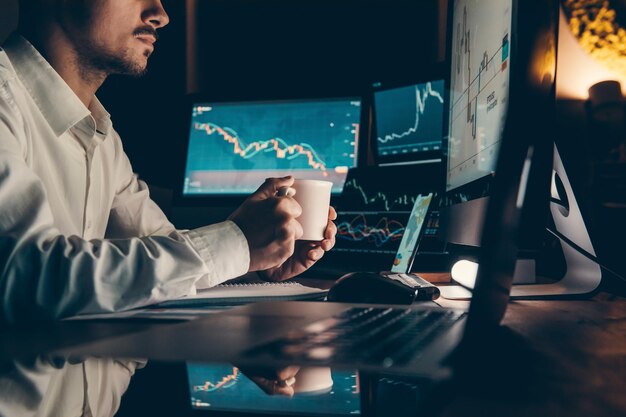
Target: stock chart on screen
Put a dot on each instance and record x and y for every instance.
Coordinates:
(409, 120)
(373, 213)
(479, 82)
(233, 147)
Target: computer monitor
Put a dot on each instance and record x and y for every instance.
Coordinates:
(409, 122)
(502, 56)
(233, 147)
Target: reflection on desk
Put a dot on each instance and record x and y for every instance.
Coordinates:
(550, 358)
(48, 386)
(317, 391)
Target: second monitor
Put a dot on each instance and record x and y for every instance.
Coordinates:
(409, 122)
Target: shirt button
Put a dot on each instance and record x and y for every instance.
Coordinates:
(89, 224)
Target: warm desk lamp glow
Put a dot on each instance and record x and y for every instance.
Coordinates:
(595, 24)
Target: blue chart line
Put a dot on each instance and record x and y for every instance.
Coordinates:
(410, 119)
(233, 147)
(379, 200)
(357, 230)
(309, 135)
(278, 146)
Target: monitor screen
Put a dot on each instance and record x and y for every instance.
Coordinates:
(221, 387)
(502, 56)
(409, 121)
(479, 87)
(234, 147)
(479, 50)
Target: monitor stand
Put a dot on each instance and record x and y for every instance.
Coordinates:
(583, 273)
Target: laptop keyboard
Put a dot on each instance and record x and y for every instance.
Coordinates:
(369, 335)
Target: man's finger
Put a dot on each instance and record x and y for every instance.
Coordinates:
(332, 213)
(271, 186)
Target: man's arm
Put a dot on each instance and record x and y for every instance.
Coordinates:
(222, 246)
(46, 275)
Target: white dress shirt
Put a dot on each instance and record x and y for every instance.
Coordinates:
(78, 231)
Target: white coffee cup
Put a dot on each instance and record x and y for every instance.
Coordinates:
(314, 198)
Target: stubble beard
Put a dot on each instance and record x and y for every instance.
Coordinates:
(95, 62)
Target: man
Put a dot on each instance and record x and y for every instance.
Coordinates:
(78, 231)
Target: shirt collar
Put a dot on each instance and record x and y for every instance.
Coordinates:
(57, 102)
(101, 117)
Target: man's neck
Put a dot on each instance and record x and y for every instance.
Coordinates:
(62, 55)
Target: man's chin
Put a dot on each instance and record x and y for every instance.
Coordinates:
(135, 68)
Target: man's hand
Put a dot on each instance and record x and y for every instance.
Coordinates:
(305, 255)
(269, 224)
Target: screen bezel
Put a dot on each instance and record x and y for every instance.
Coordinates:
(230, 199)
(431, 72)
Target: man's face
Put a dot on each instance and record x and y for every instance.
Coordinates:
(114, 36)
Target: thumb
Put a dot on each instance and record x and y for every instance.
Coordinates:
(271, 186)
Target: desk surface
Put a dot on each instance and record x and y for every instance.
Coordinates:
(553, 358)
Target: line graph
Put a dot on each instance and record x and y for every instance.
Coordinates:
(358, 230)
(479, 87)
(410, 119)
(233, 147)
(279, 146)
(378, 200)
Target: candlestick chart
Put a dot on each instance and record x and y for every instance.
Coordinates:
(234, 147)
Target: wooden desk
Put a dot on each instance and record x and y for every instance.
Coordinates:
(556, 358)
(552, 358)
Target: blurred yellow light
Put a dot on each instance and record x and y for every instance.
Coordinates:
(578, 66)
